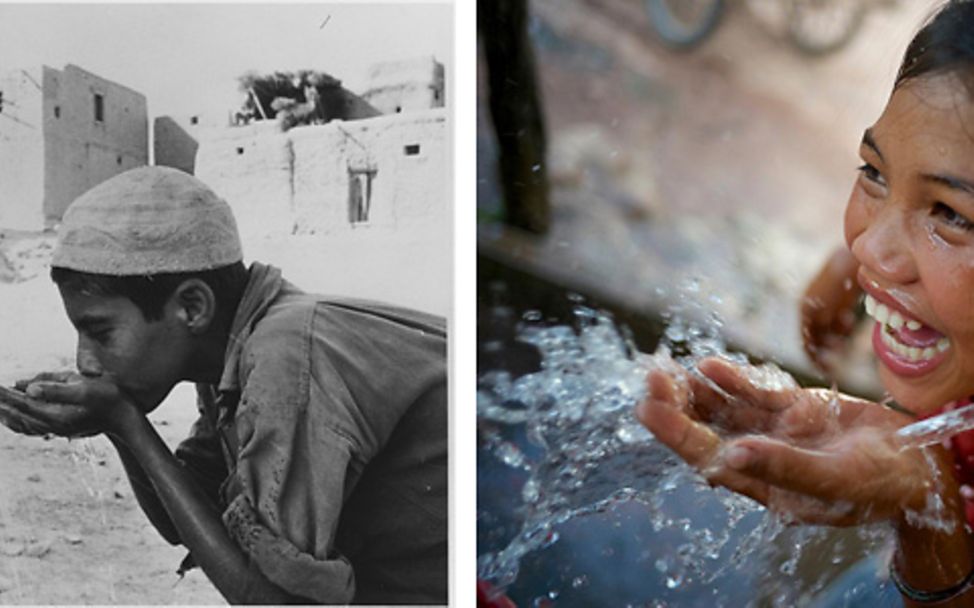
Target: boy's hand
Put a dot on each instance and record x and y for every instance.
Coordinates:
(828, 309)
(812, 455)
(61, 403)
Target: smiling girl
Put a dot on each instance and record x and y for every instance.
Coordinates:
(909, 228)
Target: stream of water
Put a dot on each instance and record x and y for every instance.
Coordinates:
(561, 452)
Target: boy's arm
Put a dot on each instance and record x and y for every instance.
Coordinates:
(145, 494)
(197, 523)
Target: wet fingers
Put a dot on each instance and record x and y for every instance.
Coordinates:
(663, 413)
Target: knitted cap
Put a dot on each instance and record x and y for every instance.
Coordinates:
(146, 221)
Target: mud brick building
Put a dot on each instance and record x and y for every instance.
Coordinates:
(375, 174)
(404, 86)
(61, 133)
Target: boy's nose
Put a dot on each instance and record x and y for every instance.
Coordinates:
(88, 364)
(884, 248)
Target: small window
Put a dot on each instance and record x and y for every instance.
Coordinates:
(99, 108)
(398, 109)
(240, 150)
(193, 120)
(118, 160)
(436, 94)
(57, 111)
(411, 150)
(1, 101)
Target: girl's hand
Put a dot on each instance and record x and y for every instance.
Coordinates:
(810, 454)
(62, 403)
(828, 309)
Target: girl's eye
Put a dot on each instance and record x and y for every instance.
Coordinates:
(872, 174)
(951, 217)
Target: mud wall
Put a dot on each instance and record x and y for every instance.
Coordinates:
(301, 180)
(21, 150)
(250, 167)
(93, 129)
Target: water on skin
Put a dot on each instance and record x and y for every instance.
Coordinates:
(586, 453)
(937, 429)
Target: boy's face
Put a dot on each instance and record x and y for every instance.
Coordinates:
(910, 224)
(116, 342)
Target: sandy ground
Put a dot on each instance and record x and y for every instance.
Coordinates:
(71, 531)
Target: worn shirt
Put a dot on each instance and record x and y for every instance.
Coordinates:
(325, 443)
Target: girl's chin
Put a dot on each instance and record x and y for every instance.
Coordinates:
(923, 398)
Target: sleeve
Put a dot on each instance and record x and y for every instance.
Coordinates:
(290, 477)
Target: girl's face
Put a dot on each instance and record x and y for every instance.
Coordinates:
(910, 224)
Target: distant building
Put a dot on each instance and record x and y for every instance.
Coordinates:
(406, 86)
(61, 133)
(377, 174)
(176, 139)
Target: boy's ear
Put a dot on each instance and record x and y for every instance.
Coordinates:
(196, 305)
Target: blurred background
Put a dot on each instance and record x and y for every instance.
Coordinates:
(639, 163)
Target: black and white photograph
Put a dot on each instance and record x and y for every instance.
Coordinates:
(226, 298)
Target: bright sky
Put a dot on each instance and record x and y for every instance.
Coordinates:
(185, 58)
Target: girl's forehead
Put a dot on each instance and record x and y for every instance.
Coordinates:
(928, 114)
(943, 97)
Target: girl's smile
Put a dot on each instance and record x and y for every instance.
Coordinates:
(910, 224)
(903, 343)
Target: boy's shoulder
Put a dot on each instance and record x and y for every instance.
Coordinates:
(294, 311)
(299, 328)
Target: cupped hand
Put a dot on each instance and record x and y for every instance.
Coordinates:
(812, 455)
(61, 403)
(828, 309)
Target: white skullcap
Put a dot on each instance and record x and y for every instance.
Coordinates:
(146, 221)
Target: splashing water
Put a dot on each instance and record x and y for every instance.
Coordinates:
(569, 429)
(937, 428)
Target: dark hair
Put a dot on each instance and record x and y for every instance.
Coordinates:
(944, 44)
(150, 292)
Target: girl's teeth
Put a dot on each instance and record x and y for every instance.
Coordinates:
(882, 313)
(894, 320)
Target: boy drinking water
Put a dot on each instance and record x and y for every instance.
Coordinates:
(316, 472)
(823, 459)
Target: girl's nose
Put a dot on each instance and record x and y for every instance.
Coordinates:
(88, 364)
(884, 249)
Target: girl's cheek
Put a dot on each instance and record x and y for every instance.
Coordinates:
(856, 217)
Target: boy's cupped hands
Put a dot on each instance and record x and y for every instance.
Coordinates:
(65, 403)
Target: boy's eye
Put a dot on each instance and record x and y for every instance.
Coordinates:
(872, 174)
(951, 217)
(100, 336)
